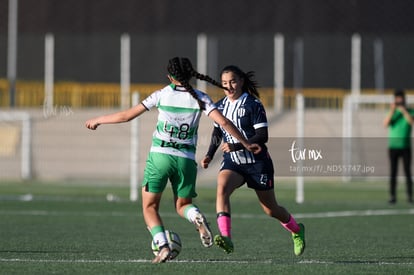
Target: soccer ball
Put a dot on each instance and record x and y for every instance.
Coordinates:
(174, 242)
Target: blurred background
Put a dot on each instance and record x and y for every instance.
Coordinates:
(62, 62)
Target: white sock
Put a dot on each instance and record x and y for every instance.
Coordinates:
(160, 239)
(191, 213)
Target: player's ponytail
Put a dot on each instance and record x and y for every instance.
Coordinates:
(250, 84)
(189, 68)
(176, 69)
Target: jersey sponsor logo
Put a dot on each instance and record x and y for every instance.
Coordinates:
(174, 145)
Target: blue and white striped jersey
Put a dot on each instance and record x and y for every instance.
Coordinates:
(248, 114)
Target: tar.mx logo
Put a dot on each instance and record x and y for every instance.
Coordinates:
(297, 153)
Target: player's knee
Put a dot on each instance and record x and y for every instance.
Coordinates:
(149, 207)
(221, 190)
(225, 189)
(268, 212)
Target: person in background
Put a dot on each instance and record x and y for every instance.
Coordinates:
(399, 121)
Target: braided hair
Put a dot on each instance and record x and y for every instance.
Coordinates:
(182, 70)
(189, 68)
(250, 84)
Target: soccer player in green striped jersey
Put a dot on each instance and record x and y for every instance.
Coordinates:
(172, 153)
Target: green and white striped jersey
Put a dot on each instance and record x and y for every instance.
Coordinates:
(178, 120)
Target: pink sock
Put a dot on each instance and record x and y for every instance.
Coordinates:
(291, 225)
(224, 225)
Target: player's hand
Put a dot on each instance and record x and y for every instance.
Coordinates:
(92, 124)
(225, 147)
(401, 108)
(205, 162)
(254, 148)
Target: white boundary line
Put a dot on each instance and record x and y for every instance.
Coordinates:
(357, 213)
(333, 214)
(315, 262)
(354, 262)
(380, 212)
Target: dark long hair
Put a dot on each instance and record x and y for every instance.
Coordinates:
(182, 70)
(250, 84)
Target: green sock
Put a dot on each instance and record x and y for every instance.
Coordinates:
(157, 229)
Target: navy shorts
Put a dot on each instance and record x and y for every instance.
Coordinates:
(258, 175)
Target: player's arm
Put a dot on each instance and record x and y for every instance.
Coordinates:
(216, 137)
(215, 141)
(261, 136)
(406, 114)
(232, 130)
(119, 117)
(388, 118)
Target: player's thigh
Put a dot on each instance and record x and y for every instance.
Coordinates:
(228, 180)
(183, 179)
(156, 172)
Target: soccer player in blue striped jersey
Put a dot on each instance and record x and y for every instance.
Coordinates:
(242, 106)
(172, 154)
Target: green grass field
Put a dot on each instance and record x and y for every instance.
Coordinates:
(71, 228)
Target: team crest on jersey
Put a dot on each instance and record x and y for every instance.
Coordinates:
(241, 112)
